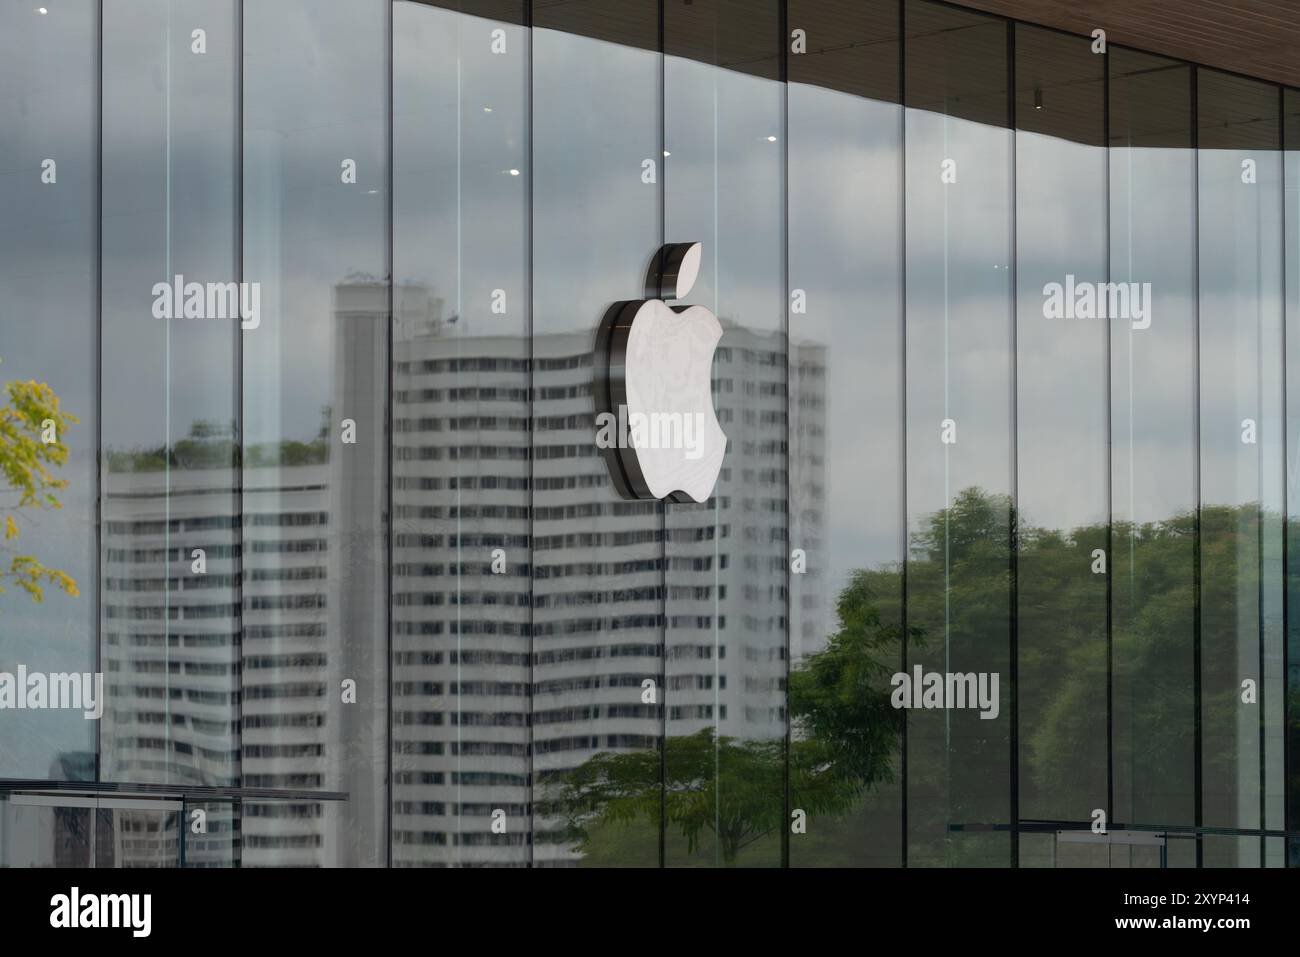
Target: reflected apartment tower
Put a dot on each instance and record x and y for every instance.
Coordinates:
(222, 679)
(225, 643)
(464, 726)
(188, 702)
(169, 638)
(814, 618)
(315, 589)
(460, 602)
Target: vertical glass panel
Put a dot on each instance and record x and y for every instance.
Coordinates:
(315, 392)
(1241, 360)
(959, 415)
(170, 613)
(1291, 200)
(727, 561)
(845, 220)
(598, 559)
(1062, 334)
(1153, 422)
(49, 80)
(460, 437)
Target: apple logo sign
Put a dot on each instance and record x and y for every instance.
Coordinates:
(655, 424)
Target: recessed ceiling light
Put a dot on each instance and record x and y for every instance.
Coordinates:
(666, 153)
(42, 11)
(771, 139)
(487, 109)
(514, 172)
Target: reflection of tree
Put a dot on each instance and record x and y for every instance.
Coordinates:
(845, 734)
(722, 785)
(732, 788)
(845, 731)
(1154, 577)
(211, 445)
(32, 426)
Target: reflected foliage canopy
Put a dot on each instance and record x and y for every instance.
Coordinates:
(846, 735)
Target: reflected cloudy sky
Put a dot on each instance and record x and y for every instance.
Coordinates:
(169, 206)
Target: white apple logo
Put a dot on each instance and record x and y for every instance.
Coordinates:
(654, 400)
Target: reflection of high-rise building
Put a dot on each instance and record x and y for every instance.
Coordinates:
(226, 677)
(234, 613)
(460, 615)
(170, 635)
(815, 618)
(370, 532)
(468, 711)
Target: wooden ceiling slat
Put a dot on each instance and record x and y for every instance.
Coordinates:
(1259, 38)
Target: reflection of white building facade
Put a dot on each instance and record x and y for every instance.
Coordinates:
(603, 572)
(477, 725)
(812, 616)
(188, 702)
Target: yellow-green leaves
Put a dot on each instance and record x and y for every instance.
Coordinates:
(31, 442)
(31, 576)
(32, 427)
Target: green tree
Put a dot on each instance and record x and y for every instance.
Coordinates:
(845, 734)
(731, 789)
(32, 426)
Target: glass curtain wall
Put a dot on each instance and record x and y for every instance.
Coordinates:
(1241, 470)
(960, 387)
(315, 389)
(170, 631)
(1063, 557)
(1291, 650)
(169, 598)
(599, 689)
(844, 220)
(460, 602)
(727, 571)
(1008, 322)
(49, 188)
(1153, 553)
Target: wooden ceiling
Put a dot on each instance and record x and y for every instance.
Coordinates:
(1260, 38)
